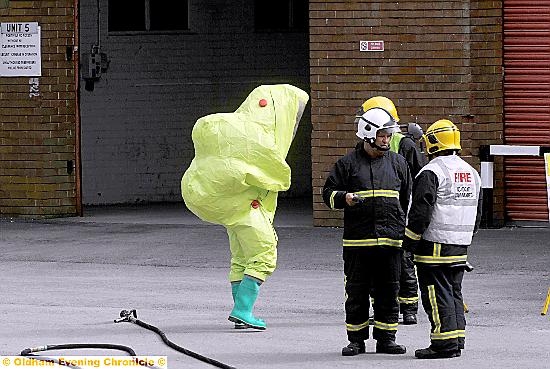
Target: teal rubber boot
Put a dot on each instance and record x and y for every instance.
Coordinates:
(234, 290)
(244, 303)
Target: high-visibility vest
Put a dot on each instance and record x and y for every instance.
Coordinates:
(455, 210)
(395, 141)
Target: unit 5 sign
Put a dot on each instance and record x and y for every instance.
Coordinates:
(20, 49)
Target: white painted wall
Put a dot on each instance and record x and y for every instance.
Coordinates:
(136, 124)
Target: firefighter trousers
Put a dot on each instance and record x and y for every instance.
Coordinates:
(408, 285)
(441, 295)
(373, 269)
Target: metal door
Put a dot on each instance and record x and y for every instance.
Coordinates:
(526, 105)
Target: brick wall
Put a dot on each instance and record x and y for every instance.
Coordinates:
(442, 59)
(486, 92)
(38, 133)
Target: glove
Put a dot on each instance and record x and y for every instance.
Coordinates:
(408, 255)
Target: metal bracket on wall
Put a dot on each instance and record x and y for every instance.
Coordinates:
(94, 64)
(69, 53)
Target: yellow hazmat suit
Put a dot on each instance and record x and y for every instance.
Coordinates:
(238, 169)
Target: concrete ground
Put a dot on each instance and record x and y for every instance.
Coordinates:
(65, 280)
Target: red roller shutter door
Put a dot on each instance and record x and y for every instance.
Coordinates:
(526, 105)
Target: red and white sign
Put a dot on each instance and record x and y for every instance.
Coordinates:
(371, 45)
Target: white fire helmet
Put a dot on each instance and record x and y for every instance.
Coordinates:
(372, 121)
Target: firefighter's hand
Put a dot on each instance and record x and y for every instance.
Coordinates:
(409, 255)
(353, 199)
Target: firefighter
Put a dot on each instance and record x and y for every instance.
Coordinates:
(234, 180)
(444, 214)
(405, 145)
(372, 185)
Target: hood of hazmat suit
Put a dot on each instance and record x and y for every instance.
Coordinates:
(240, 156)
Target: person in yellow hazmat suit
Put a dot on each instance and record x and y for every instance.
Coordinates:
(234, 179)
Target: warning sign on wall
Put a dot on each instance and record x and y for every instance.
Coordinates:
(20, 50)
(371, 46)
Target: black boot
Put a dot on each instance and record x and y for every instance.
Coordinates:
(389, 347)
(354, 348)
(409, 319)
(429, 353)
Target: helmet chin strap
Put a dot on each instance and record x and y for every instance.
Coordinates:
(372, 144)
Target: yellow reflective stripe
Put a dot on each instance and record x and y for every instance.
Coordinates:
(437, 250)
(435, 310)
(357, 327)
(385, 326)
(407, 300)
(332, 199)
(412, 235)
(440, 259)
(378, 193)
(448, 335)
(373, 242)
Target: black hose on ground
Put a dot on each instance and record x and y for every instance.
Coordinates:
(131, 316)
(28, 351)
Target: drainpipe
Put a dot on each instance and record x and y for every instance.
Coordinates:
(76, 62)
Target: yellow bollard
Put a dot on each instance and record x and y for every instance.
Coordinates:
(546, 304)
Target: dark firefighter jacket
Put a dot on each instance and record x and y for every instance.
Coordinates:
(384, 186)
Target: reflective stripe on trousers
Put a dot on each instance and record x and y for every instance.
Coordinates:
(441, 295)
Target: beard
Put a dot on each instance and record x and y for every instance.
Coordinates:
(374, 150)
